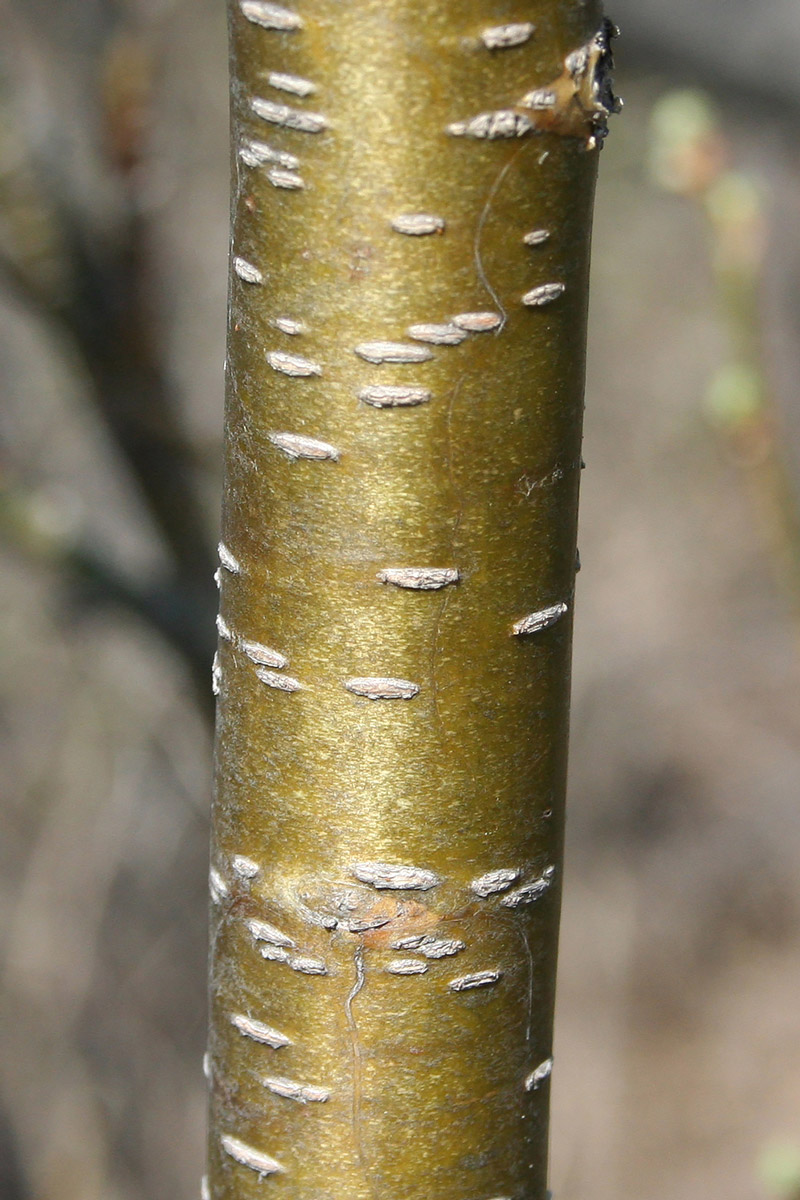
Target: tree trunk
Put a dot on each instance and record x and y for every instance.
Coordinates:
(412, 192)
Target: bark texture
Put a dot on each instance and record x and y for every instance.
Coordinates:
(412, 190)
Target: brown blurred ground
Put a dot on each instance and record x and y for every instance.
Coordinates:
(678, 1037)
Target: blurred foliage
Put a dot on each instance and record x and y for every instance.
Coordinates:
(779, 1168)
(690, 155)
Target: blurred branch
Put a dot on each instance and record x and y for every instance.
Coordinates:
(91, 285)
(13, 1181)
(31, 525)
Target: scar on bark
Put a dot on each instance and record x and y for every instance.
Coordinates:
(577, 103)
(584, 92)
(376, 917)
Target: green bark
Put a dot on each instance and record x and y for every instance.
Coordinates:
(397, 587)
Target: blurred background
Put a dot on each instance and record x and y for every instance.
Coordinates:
(678, 1035)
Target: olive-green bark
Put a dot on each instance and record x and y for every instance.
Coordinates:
(391, 742)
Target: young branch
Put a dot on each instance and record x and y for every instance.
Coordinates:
(411, 220)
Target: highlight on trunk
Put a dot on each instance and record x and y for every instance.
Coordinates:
(411, 211)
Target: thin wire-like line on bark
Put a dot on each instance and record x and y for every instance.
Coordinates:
(482, 276)
(358, 959)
